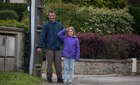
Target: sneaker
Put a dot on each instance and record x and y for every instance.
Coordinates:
(70, 83)
(60, 80)
(49, 80)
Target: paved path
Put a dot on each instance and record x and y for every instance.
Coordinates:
(101, 80)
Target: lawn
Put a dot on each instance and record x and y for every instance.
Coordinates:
(18, 78)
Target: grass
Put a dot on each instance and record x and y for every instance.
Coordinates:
(18, 78)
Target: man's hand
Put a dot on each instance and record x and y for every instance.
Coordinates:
(39, 50)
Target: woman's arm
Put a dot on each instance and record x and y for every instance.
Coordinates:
(61, 34)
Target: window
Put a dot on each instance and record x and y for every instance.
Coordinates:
(4, 1)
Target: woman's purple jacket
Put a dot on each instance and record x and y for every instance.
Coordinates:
(71, 48)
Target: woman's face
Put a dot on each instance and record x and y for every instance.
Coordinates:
(70, 32)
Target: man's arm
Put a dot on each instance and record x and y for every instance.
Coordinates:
(42, 38)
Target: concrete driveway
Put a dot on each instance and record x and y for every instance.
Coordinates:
(101, 80)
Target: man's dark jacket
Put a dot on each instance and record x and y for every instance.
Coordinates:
(49, 36)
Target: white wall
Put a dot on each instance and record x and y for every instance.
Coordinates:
(17, 1)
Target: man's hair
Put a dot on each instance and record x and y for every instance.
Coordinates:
(51, 11)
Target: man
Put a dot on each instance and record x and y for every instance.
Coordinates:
(52, 43)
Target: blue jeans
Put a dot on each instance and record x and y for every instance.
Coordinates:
(68, 69)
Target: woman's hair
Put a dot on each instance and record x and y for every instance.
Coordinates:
(72, 28)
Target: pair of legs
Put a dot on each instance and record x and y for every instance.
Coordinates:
(68, 69)
(53, 56)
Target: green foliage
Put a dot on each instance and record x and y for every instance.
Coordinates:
(111, 3)
(17, 78)
(106, 21)
(8, 14)
(12, 23)
(65, 13)
(51, 1)
(101, 3)
(26, 18)
(19, 8)
(135, 11)
(90, 19)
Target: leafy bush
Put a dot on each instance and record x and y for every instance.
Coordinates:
(19, 8)
(111, 3)
(135, 11)
(116, 49)
(107, 21)
(100, 3)
(65, 13)
(8, 14)
(89, 19)
(134, 42)
(9, 23)
(90, 44)
(26, 18)
(120, 46)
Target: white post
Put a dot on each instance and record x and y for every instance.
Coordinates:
(134, 66)
(4, 1)
(32, 36)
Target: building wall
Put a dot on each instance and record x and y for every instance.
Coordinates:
(17, 1)
(11, 49)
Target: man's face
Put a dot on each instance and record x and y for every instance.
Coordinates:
(52, 17)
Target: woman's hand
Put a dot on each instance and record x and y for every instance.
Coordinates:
(67, 29)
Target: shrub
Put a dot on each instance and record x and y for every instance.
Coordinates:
(107, 21)
(89, 19)
(134, 42)
(111, 3)
(66, 14)
(116, 49)
(8, 14)
(135, 11)
(26, 18)
(120, 46)
(101, 3)
(90, 44)
(9, 23)
(19, 8)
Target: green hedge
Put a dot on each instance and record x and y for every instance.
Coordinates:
(13, 23)
(19, 8)
(90, 19)
(135, 11)
(8, 14)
